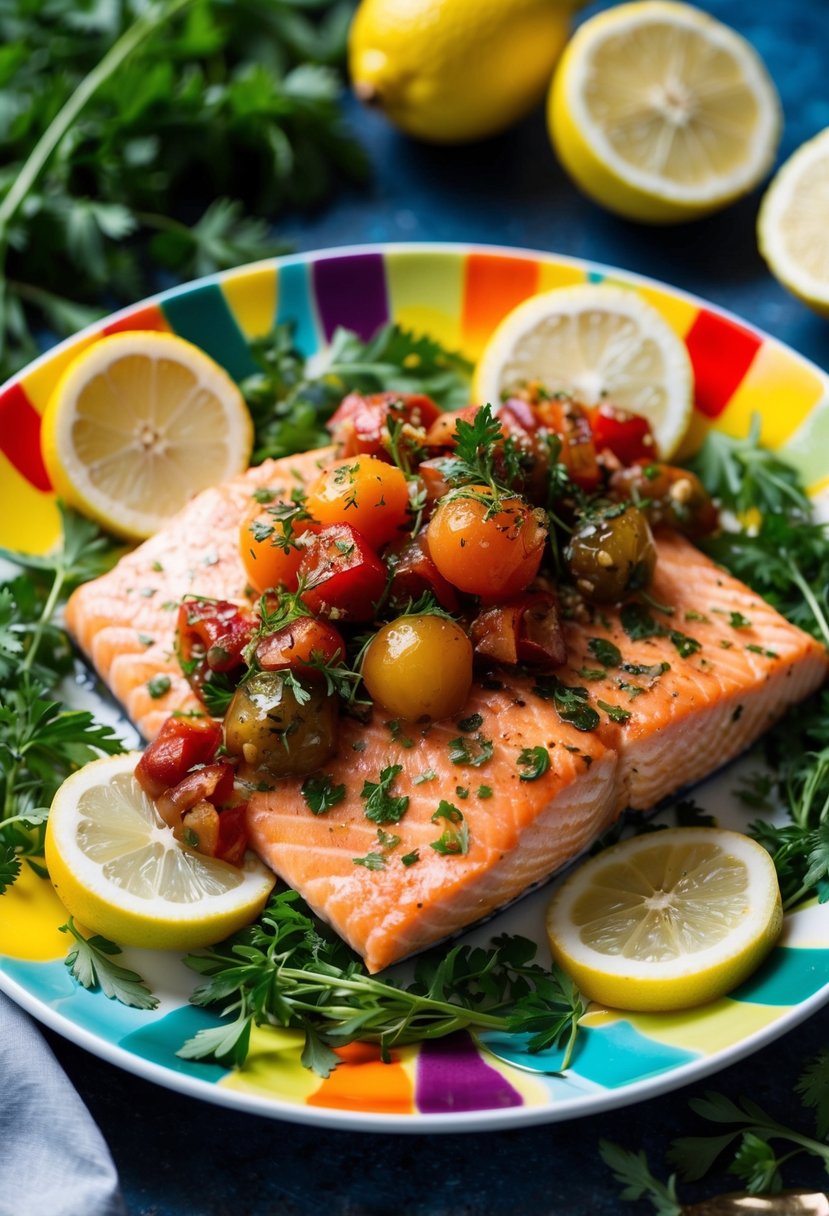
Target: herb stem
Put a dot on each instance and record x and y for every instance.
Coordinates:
(810, 598)
(146, 24)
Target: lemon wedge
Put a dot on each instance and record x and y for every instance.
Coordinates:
(119, 870)
(137, 424)
(667, 920)
(661, 113)
(791, 227)
(598, 342)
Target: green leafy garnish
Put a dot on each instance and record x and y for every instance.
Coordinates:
(91, 961)
(571, 702)
(291, 971)
(472, 752)
(535, 761)
(381, 805)
(320, 792)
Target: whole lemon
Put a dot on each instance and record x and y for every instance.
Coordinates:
(452, 71)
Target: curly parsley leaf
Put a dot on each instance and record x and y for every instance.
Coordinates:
(381, 805)
(320, 792)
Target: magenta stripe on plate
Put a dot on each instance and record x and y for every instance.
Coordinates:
(451, 1076)
(351, 291)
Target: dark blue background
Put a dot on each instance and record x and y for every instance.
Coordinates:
(180, 1156)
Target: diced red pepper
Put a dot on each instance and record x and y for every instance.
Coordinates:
(211, 635)
(628, 436)
(298, 643)
(233, 834)
(342, 576)
(526, 629)
(213, 783)
(360, 423)
(571, 422)
(179, 745)
(414, 572)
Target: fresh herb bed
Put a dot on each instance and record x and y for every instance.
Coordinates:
(287, 968)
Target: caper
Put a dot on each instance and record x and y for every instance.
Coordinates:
(612, 554)
(281, 726)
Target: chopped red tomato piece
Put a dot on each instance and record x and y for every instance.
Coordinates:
(360, 424)
(571, 422)
(233, 834)
(414, 573)
(299, 643)
(628, 436)
(179, 745)
(526, 629)
(211, 635)
(342, 576)
(212, 783)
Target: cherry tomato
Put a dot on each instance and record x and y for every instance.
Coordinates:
(365, 493)
(628, 436)
(270, 544)
(611, 555)
(210, 636)
(493, 555)
(298, 643)
(179, 745)
(441, 434)
(526, 629)
(342, 576)
(419, 667)
(360, 424)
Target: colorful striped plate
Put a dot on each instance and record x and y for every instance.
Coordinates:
(458, 294)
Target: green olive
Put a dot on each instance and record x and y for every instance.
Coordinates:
(611, 555)
(281, 727)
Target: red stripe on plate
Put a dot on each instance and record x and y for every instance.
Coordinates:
(150, 317)
(721, 352)
(20, 437)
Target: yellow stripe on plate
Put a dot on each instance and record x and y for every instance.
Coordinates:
(251, 297)
(30, 517)
(439, 277)
(781, 388)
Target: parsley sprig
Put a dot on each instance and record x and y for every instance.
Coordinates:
(42, 741)
(289, 970)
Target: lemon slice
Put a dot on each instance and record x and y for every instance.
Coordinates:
(661, 113)
(595, 341)
(137, 424)
(791, 227)
(667, 920)
(119, 870)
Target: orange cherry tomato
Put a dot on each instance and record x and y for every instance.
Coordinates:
(492, 555)
(270, 544)
(364, 492)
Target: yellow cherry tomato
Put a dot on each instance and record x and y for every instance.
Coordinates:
(369, 494)
(270, 550)
(419, 667)
(486, 552)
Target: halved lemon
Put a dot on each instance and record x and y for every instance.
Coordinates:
(598, 342)
(137, 424)
(661, 113)
(791, 227)
(667, 920)
(119, 870)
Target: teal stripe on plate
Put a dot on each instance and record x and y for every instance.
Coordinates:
(295, 304)
(159, 1041)
(203, 317)
(787, 977)
(595, 276)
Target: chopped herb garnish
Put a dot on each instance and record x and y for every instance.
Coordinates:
(381, 806)
(428, 774)
(158, 686)
(592, 673)
(693, 615)
(605, 651)
(615, 712)
(475, 753)
(652, 670)
(409, 859)
(397, 734)
(371, 861)
(768, 654)
(320, 792)
(146, 639)
(484, 791)
(473, 722)
(462, 791)
(535, 761)
(455, 839)
(633, 690)
(571, 702)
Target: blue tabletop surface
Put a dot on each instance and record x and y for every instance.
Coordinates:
(177, 1155)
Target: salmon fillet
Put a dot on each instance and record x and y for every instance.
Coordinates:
(679, 691)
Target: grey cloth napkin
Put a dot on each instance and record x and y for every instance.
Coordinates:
(53, 1159)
